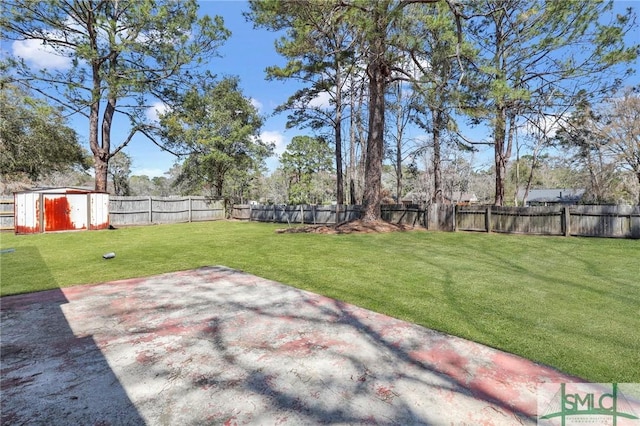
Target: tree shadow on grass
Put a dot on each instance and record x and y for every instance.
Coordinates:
(48, 374)
(578, 334)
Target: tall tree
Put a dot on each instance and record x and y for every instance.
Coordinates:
(114, 58)
(119, 172)
(320, 54)
(581, 136)
(303, 162)
(383, 48)
(35, 140)
(622, 130)
(438, 61)
(215, 127)
(376, 21)
(399, 149)
(537, 55)
(374, 25)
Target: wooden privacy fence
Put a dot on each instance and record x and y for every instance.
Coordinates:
(582, 220)
(303, 214)
(585, 221)
(147, 210)
(436, 217)
(592, 221)
(6, 213)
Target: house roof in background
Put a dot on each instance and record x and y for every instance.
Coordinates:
(456, 196)
(560, 195)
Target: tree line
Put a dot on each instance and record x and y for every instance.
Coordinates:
(538, 75)
(509, 65)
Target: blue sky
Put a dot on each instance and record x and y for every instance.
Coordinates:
(246, 54)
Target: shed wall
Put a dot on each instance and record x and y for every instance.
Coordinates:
(41, 211)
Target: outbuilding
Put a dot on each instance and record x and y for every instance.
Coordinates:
(60, 209)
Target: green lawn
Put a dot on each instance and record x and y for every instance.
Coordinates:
(573, 303)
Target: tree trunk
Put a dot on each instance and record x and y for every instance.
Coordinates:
(534, 161)
(399, 174)
(375, 144)
(399, 136)
(502, 152)
(361, 139)
(218, 186)
(352, 192)
(352, 155)
(339, 176)
(438, 195)
(378, 71)
(338, 138)
(105, 154)
(638, 176)
(100, 157)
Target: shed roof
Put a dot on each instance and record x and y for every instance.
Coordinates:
(60, 190)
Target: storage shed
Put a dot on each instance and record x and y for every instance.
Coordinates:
(60, 209)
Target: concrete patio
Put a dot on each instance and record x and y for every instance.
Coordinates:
(219, 346)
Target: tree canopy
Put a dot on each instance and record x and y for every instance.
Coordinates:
(539, 58)
(370, 73)
(303, 163)
(523, 61)
(35, 140)
(216, 129)
(114, 58)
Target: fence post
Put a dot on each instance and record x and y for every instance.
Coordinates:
(301, 214)
(455, 220)
(487, 219)
(190, 207)
(566, 221)
(150, 210)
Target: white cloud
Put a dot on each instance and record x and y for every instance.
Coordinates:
(40, 55)
(321, 101)
(256, 104)
(546, 125)
(275, 138)
(154, 111)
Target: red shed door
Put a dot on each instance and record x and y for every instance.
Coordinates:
(64, 212)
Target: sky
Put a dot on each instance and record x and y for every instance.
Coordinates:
(246, 54)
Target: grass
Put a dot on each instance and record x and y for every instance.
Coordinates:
(572, 303)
